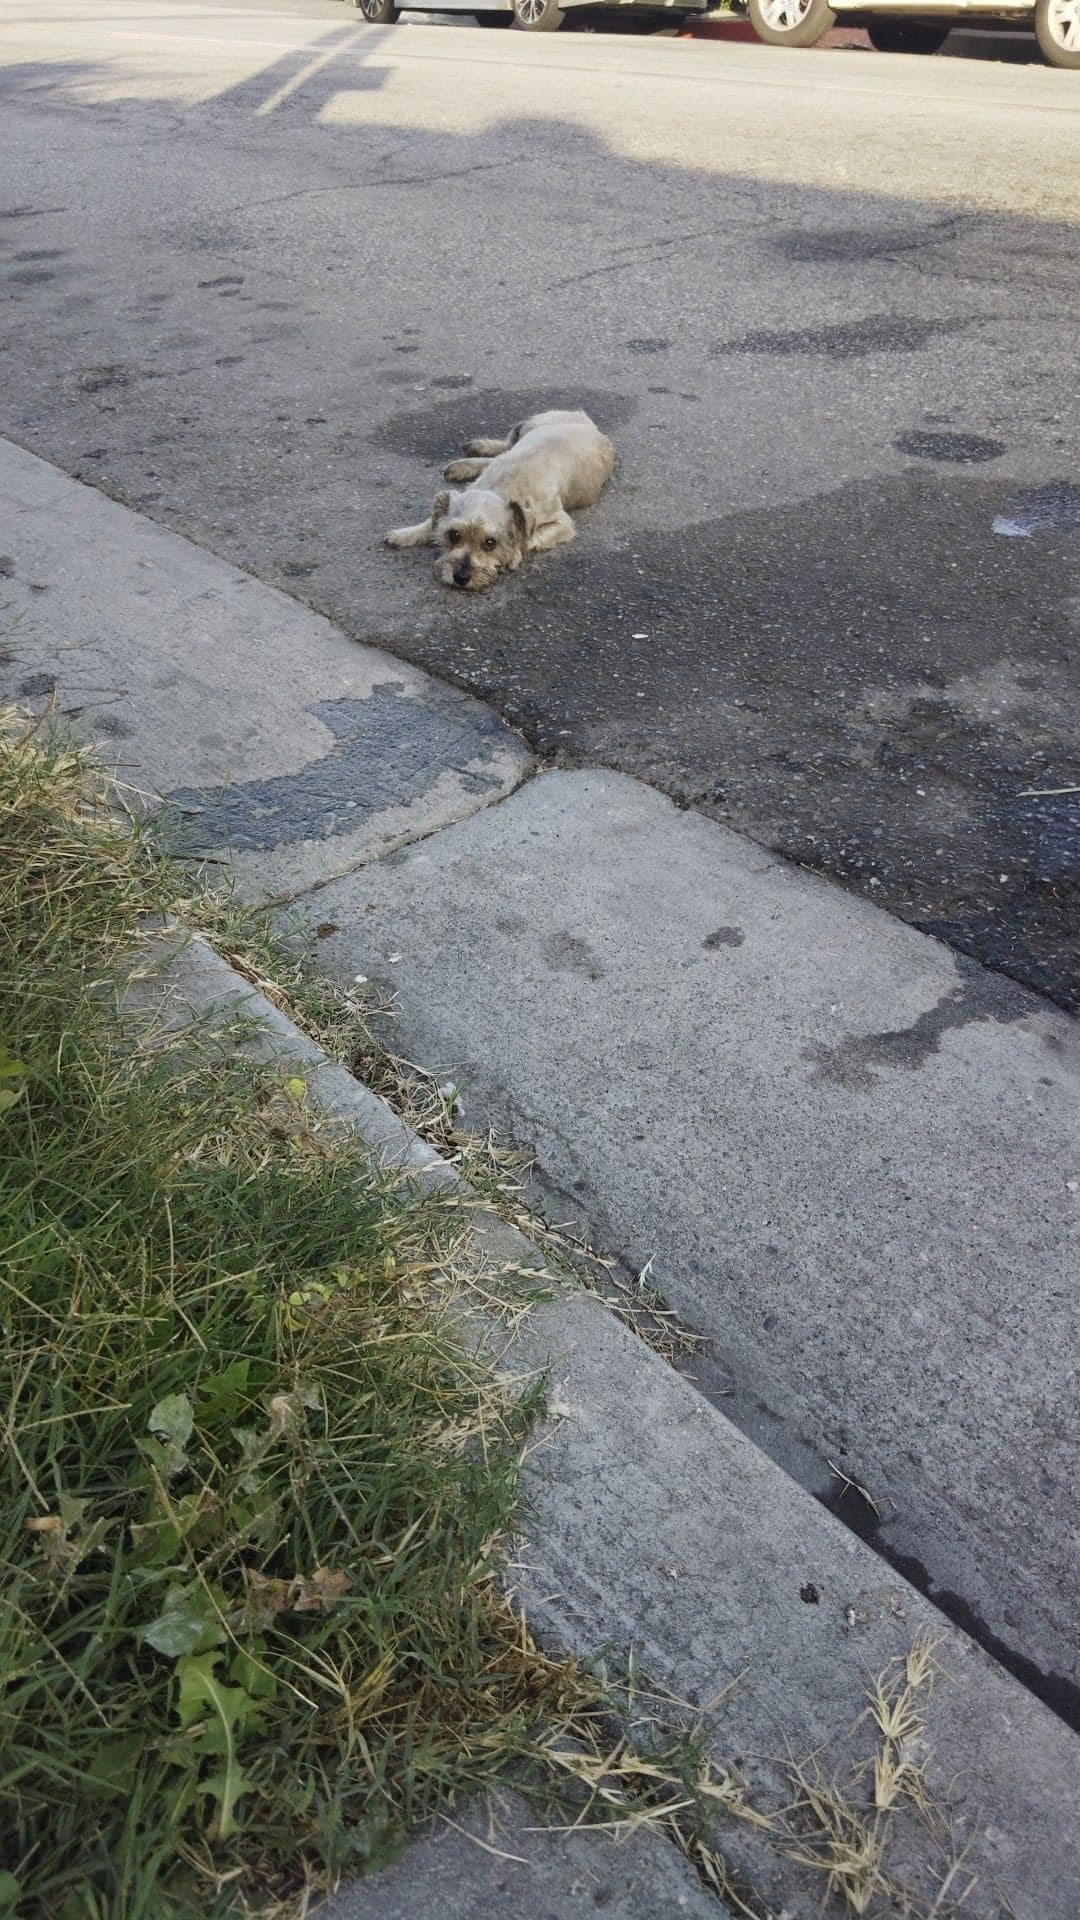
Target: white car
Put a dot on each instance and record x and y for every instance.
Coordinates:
(906, 26)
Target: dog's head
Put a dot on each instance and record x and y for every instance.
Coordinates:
(480, 536)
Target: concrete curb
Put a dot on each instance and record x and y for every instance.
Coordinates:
(657, 1528)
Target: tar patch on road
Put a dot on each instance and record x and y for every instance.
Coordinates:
(388, 751)
(854, 245)
(962, 449)
(871, 682)
(847, 340)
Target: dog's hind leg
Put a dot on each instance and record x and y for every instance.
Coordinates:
(554, 533)
(460, 471)
(487, 449)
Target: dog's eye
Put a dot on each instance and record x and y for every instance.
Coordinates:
(490, 544)
(453, 537)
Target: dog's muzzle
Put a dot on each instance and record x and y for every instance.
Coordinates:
(462, 572)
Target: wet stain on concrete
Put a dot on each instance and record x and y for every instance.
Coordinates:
(963, 449)
(853, 1063)
(848, 340)
(7, 567)
(647, 344)
(430, 433)
(37, 686)
(36, 254)
(724, 937)
(224, 280)
(388, 751)
(30, 277)
(566, 953)
(452, 380)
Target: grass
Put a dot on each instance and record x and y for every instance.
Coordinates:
(252, 1493)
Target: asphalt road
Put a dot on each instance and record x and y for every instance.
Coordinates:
(265, 268)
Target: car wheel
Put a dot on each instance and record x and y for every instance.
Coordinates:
(538, 16)
(791, 23)
(908, 36)
(1057, 30)
(492, 19)
(377, 13)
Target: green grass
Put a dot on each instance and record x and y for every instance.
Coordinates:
(251, 1489)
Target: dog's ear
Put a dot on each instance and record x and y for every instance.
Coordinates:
(439, 506)
(521, 525)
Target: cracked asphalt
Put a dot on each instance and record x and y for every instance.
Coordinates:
(266, 268)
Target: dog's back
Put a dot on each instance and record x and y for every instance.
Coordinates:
(566, 447)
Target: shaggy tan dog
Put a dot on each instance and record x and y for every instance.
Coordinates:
(525, 489)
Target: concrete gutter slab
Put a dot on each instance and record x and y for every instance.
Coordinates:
(655, 1527)
(850, 1157)
(272, 735)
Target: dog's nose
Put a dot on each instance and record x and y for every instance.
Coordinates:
(462, 572)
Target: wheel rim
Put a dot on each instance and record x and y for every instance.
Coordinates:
(783, 16)
(371, 9)
(529, 11)
(1063, 20)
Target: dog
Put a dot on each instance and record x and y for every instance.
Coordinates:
(516, 498)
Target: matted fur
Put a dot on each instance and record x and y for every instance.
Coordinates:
(512, 497)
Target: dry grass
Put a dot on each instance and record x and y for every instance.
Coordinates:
(841, 1825)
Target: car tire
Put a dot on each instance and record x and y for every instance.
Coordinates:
(892, 35)
(790, 23)
(1057, 30)
(492, 19)
(538, 16)
(377, 13)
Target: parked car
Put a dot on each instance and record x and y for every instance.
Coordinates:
(906, 26)
(536, 16)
